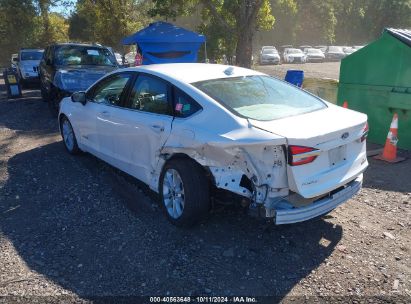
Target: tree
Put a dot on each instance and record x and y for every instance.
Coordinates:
(106, 21)
(17, 27)
(234, 22)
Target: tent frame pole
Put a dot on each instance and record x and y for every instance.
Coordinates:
(205, 52)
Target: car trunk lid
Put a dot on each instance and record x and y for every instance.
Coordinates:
(337, 153)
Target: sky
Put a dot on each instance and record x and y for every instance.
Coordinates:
(62, 9)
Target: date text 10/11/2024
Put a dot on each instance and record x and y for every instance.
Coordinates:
(203, 299)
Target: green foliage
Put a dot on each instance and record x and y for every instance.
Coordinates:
(17, 24)
(106, 21)
(230, 25)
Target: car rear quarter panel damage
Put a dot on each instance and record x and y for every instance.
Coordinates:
(248, 161)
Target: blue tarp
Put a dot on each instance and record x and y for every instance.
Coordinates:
(163, 42)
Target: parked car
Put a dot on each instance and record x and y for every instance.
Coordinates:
(267, 47)
(357, 47)
(119, 58)
(323, 48)
(69, 67)
(131, 58)
(349, 50)
(14, 60)
(304, 47)
(269, 55)
(294, 56)
(314, 55)
(334, 53)
(283, 151)
(28, 65)
(283, 48)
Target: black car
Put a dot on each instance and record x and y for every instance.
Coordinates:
(70, 67)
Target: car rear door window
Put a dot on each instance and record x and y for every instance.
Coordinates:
(184, 105)
(110, 91)
(150, 94)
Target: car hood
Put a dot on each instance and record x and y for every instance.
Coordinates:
(271, 55)
(296, 55)
(79, 77)
(29, 64)
(314, 55)
(87, 69)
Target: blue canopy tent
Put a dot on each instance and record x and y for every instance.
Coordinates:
(163, 42)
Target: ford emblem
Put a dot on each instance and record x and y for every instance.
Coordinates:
(345, 135)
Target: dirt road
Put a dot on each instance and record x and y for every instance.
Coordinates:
(74, 226)
(311, 70)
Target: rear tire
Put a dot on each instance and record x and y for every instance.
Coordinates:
(184, 192)
(69, 138)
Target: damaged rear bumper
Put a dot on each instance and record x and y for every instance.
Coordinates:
(320, 207)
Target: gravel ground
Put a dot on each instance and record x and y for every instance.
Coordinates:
(311, 70)
(74, 226)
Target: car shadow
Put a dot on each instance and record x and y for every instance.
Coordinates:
(389, 177)
(74, 220)
(27, 114)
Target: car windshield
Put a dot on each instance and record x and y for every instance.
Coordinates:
(31, 55)
(260, 97)
(84, 55)
(294, 51)
(270, 51)
(314, 51)
(335, 49)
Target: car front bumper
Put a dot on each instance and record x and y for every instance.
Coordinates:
(29, 76)
(270, 60)
(322, 206)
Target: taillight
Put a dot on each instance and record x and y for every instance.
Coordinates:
(298, 155)
(364, 132)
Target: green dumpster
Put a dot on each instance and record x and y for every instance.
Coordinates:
(323, 87)
(376, 80)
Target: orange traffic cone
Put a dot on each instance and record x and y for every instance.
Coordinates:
(345, 104)
(389, 154)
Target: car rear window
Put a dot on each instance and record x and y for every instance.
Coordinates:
(260, 97)
(31, 55)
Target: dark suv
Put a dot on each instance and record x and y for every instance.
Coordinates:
(69, 67)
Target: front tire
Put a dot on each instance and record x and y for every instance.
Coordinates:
(54, 102)
(184, 192)
(43, 92)
(69, 138)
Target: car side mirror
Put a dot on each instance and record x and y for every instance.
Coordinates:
(79, 97)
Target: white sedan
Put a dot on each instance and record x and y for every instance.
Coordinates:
(185, 129)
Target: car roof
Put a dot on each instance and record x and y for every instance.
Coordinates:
(78, 44)
(31, 50)
(193, 72)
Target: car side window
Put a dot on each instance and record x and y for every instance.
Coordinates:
(150, 94)
(110, 91)
(184, 105)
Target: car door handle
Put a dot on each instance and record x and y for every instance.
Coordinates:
(157, 128)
